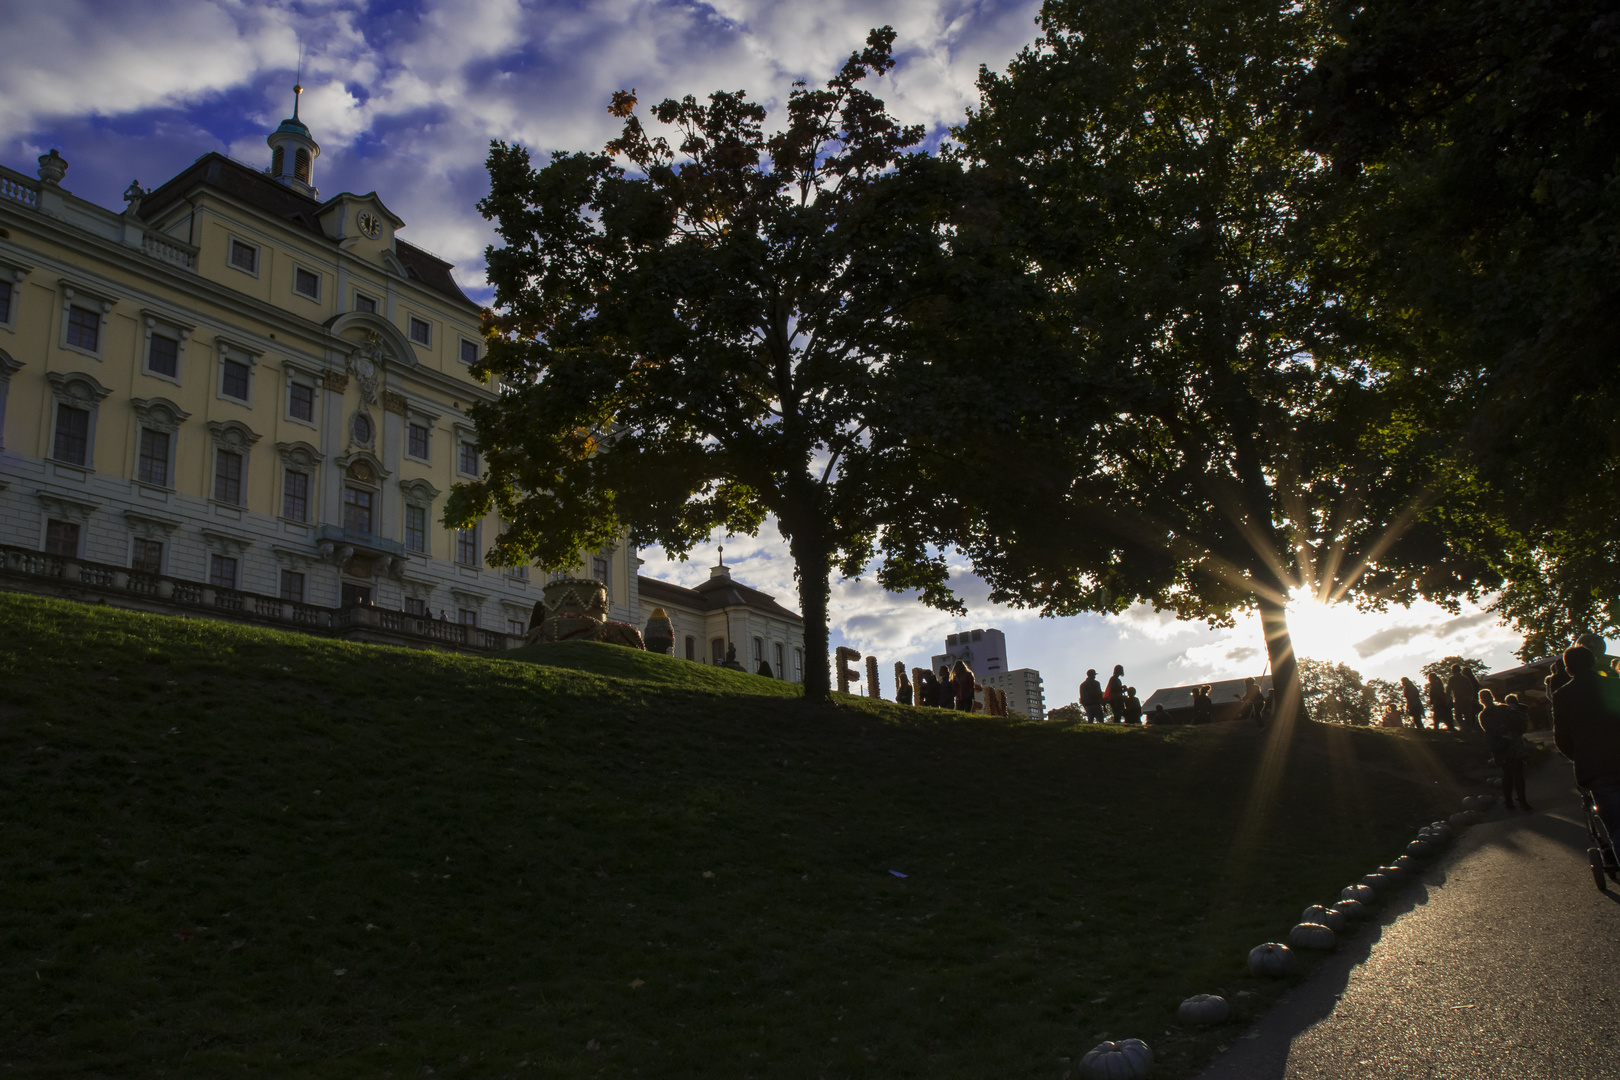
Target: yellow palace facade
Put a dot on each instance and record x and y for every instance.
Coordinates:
(238, 399)
(238, 396)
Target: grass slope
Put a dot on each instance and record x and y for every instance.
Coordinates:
(228, 851)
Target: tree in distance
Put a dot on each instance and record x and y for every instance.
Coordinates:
(1235, 438)
(708, 337)
(1474, 142)
(1334, 693)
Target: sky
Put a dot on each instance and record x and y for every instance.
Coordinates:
(404, 99)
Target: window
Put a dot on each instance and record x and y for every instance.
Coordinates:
(514, 626)
(469, 351)
(416, 441)
(759, 653)
(83, 328)
(357, 510)
(233, 379)
(147, 557)
(355, 595)
(468, 463)
(228, 477)
(521, 573)
(600, 569)
(781, 668)
(414, 605)
(365, 303)
(691, 648)
(467, 616)
(301, 166)
(62, 538)
(467, 546)
(244, 256)
(798, 665)
(416, 529)
(154, 462)
(363, 429)
(301, 402)
(421, 332)
(306, 283)
(72, 435)
(295, 495)
(6, 291)
(717, 650)
(163, 356)
(292, 586)
(222, 571)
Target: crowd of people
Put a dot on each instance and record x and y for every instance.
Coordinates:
(1451, 703)
(955, 687)
(1115, 702)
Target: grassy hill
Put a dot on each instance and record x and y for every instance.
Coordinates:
(228, 851)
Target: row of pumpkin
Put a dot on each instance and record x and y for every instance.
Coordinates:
(1318, 928)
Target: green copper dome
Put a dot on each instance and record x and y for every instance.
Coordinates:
(293, 126)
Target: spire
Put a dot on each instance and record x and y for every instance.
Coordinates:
(293, 150)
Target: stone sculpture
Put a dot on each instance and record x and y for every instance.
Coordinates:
(576, 609)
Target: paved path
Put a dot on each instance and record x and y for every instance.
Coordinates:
(1501, 961)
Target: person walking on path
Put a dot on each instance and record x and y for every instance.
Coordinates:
(1091, 697)
(1586, 727)
(1504, 727)
(1414, 701)
(1464, 691)
(1114, 694)
(1439, 703)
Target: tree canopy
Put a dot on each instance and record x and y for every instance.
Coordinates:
(1236, 436)
(713, 331)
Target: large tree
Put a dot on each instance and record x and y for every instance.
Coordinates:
(1478, 147)
(1234, 437)
(703, 337)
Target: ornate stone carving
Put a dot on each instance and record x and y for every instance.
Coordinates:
(393, 401)
(336, 381)
(576, 609)
(148, 527)
(299, 454)
(366, 364)
(225, 543)
(159, 414)
(76, 388)
(65, 508)
(232, 435)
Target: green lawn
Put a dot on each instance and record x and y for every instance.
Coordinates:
(228, 851)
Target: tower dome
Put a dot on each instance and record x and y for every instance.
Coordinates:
(293, 152)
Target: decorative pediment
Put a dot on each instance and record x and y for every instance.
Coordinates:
(8, 366)
(66, 507)
(149, 526)
(76, 388)
(159, 414)
(418, 491)
(232, 434)
(358, 462)
(368, 331)
(299, 454)
(76, 294)
(292, 559)
(225, 543)
(237, 350)
(467, 598)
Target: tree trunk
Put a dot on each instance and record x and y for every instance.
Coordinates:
(812, 565)
(1286, 699)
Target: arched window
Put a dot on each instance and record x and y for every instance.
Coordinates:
(691, 648)
(278, 158)
(759, 652)
(781, 668)
(717, 650)
(798, 665)
(301, 166)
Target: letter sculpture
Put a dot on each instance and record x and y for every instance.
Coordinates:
(872, 688)
(844, 654)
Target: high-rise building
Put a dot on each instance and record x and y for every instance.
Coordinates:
(985, 653)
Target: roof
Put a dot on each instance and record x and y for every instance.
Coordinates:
(280, 201)
(1222, 692)
(713, 595)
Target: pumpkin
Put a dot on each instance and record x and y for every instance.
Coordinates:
(1123, 1060)
(1407, 863)
(1472, 803)
(1356, 892)
(1273, 960)
(1419, 848)
(1378, 881)
(1312, 936)
(1394, 873)
(1463, 818)
(1351, 909)
(1486, 801)
(1202, 1010)
(1316, 913)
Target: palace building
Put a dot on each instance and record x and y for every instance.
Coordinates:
(237, 398)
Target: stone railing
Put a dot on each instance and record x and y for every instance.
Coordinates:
(26, 570)
(170, 251)
(17, 187)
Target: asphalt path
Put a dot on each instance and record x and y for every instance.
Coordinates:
(1501, 960)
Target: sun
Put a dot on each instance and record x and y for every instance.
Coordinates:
(1329, 631)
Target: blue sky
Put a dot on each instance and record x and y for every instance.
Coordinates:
(404, 98)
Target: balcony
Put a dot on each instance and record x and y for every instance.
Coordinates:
(362, 543)
(28, 571)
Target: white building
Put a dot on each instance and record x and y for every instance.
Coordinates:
(722, 609)
(985, 653)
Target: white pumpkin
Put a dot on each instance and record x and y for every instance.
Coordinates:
(1487, 801)
(1351, 909)
(1127, 1059)
(1419, 848)
(1204, 1010)
(1357, 892)
(1272, 960)
(1316, 913)
(1312, 936)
